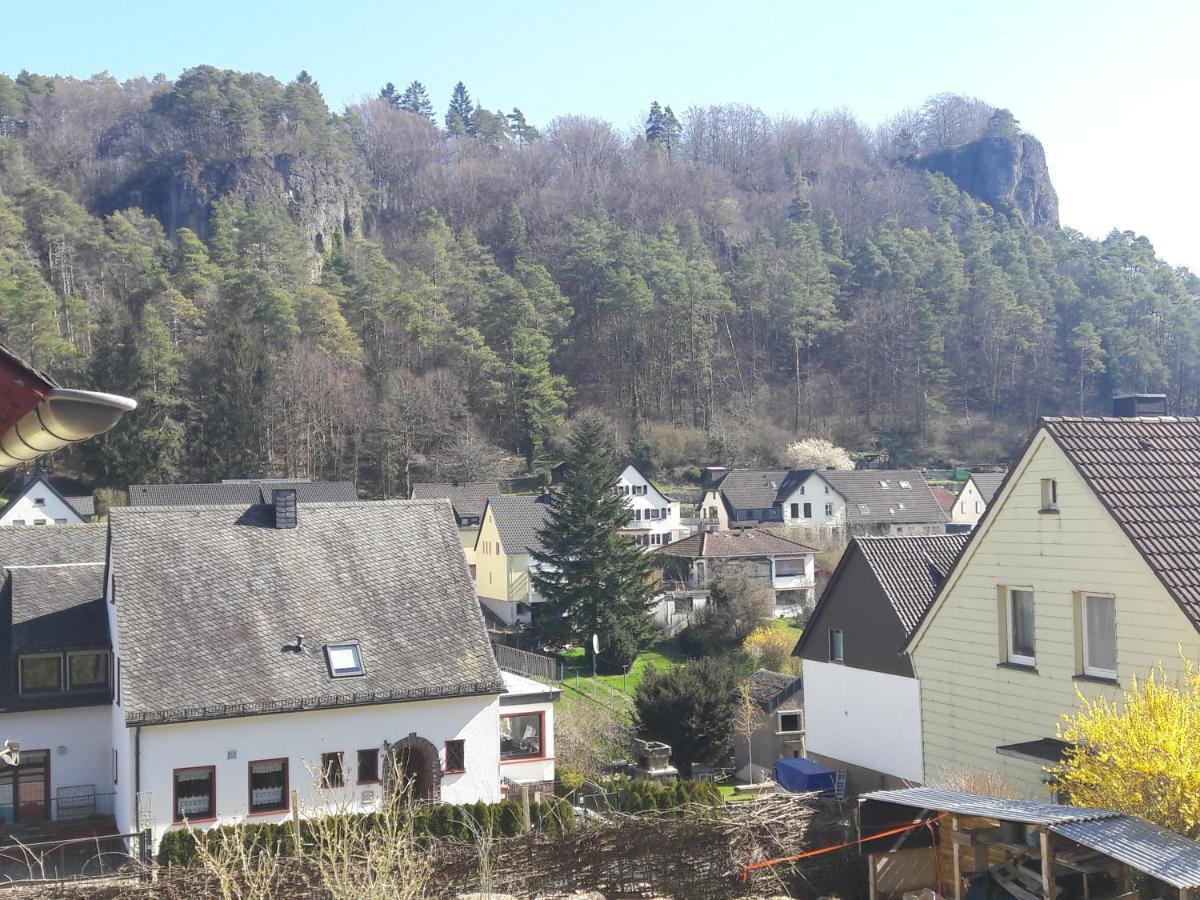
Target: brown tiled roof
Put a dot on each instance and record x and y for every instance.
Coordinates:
(736, 543)
(1146, 472)
(945, 498)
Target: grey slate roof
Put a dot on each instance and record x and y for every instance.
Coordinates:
(85, 506)
(742, 542)
(758, 489)
(866, 486)
(52, 546)
(769, 689)
(206, 596)
(1146, 473)
(518, 519)
(911, 569)
(467, 497)
(58, 607)
(239, 492)
(988, 483)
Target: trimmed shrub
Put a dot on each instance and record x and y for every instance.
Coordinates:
(552, 817)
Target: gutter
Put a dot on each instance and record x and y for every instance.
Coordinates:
(64, 416)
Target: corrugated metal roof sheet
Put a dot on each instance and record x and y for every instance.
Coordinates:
(1159, 853)
(1027, 811)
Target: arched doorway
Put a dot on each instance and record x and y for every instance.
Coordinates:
(414, 767)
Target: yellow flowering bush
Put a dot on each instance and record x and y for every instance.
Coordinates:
(1140, 755)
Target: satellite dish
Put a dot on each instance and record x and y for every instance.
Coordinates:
(596, 644)
(11, 754)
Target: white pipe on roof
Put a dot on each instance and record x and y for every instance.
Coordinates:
(67, 416)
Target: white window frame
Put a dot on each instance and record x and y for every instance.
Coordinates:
(1049, 494)
(1094, 671)
(1013, 657)
(798, 713)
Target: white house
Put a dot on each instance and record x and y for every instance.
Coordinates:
(786, 567)
(654, 517)
(261, 653)
(972, 501)
(862, 703)
(859, 501)
(36, 502)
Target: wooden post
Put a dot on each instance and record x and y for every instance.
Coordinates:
(957, 847)
(1185, 894)
(526, 824)
(1047, 865)
(296, 843)
(872, 887)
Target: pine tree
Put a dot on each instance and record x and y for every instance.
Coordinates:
(416, 101)
(521, 130)
(654, 124)
(671, 130)
(390, 95)
(595, 580)
(460, 116)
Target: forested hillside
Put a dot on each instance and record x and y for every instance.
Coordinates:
(383, 292)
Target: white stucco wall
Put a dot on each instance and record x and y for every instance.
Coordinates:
(815, 491)
(668, 526)
(301, 738)
(27, 511)
(864, 718)
(79, 741)
(969, 506)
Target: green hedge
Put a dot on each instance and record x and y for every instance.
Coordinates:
(553, 817)
(638, 795)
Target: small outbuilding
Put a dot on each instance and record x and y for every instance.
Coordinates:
(968, 845)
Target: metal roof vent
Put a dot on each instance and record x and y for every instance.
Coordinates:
(284, 500)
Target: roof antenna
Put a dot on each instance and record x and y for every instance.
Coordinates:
(297, 647)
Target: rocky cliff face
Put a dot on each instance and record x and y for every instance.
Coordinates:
(1006, 172)
(317, 194)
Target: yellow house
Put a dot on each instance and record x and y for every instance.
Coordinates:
(468, 499)
(507, 535)
(1083, 573)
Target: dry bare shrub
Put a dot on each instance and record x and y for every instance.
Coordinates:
(989, 783)
(588, 736)
(238, 865)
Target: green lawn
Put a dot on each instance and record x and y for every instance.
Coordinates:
(661, 655)
(730, 797)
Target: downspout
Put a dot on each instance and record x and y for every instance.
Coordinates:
(137, 771)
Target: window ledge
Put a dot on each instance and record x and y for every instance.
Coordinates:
(269, 812)
(187, 823)
(453, 771)
(1097, 679)
(1047, 512)
(1019, 667)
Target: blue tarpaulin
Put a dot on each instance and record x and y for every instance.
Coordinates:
(803, 776)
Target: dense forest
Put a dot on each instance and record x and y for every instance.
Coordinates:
(387, 292)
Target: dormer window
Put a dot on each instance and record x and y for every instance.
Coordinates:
(345, 660)
(41, 673)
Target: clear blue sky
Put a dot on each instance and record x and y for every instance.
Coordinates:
(1110, 87)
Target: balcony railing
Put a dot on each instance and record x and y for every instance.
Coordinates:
(73, 805)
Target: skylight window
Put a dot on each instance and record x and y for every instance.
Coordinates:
(345, 660)
(883, 484)
(864, 509)
(906, 485)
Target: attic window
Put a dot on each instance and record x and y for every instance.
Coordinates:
(906, 485)
(864, 509)
(39, 501)
(345, 660)
(883, 484)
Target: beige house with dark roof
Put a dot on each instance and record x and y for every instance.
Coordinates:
(508, 534)
(972, 500)
(1083, 573)
(468, 499)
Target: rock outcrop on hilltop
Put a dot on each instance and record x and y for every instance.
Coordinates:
(1008, 172)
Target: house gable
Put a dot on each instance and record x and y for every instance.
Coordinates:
(855, 603)
(38, 502)
(972, 699)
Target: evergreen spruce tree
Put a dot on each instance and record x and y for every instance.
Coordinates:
(460, 116)
(595, 580)
(416, 101)
(671, 130)
(654, 124)
(390, 95)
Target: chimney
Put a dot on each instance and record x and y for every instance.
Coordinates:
(284, 501)
(1127, 406)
